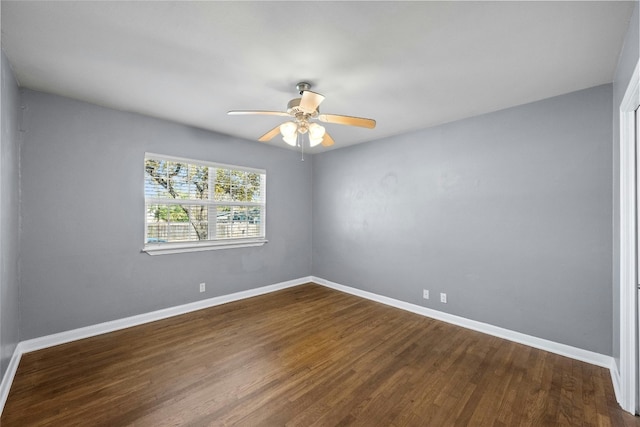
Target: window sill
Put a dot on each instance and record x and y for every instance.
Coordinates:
(177, 248)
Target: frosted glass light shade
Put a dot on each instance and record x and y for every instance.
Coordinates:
(316, 131)
(288, 129)
(291, 139)
(316, 134)
(314, 141)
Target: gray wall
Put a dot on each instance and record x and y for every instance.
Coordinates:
(509, 213)
(83, 211)
(9, 215)
(626, 64)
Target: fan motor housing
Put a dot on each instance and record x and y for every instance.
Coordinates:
(293, 108)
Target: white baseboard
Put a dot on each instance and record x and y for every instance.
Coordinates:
(127, 322)
(617, 382)
(106, 327)
(115, 325)
(7, 379)
(539, 343)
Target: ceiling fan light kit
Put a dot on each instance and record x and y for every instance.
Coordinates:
(288, 131)
(316, 134)
(302, 111)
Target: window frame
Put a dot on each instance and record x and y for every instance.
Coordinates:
(161, 248)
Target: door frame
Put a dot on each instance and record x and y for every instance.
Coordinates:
(628, 369)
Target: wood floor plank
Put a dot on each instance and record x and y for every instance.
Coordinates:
(306, 356)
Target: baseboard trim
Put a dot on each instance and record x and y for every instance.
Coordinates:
(9, 375)
(127, 322)
(617, 382)
(531, 341)
(106, 327)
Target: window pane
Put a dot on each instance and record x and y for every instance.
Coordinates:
(237, 222)
(224, 222)
(176, 223)
(155, 178)
(199, 179)
(237, 186)
(254, 220)
(253, 194)
(178, 180)
(199, 221)
(156, 230)
(223, 185)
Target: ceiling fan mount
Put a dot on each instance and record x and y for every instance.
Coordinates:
(302, 110)
(303, 86)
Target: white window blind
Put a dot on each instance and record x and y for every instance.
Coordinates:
(197, 205)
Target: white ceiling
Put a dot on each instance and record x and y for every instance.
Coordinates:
(409, 65)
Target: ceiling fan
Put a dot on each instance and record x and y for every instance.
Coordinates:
(302, 111)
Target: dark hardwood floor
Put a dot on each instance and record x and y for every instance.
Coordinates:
(306, 356)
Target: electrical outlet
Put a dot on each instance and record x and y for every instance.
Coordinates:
(425, 293)
(443, 298)
(202, 287)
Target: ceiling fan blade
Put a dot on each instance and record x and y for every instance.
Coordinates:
(347, 120)
(327, 141)
(310, 101)
(261, 112)
(269, 135)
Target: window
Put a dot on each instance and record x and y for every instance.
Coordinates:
(192, 205)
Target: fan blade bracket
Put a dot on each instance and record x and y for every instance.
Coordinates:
(347, 120)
